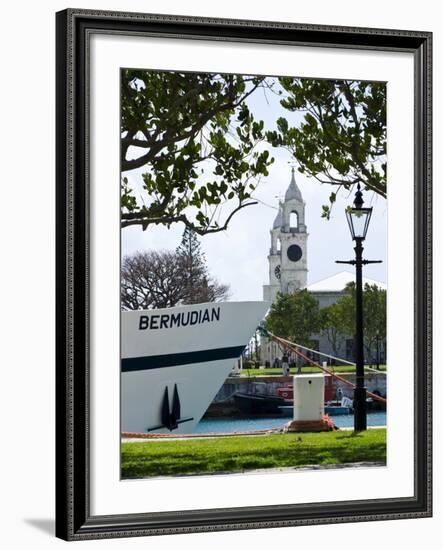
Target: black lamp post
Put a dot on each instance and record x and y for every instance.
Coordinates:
(358, 219)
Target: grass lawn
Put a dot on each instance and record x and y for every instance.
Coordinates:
(241, 453)
(305, 370)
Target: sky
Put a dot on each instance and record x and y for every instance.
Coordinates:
(238, 256)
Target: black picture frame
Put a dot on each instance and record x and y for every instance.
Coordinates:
(74, 521)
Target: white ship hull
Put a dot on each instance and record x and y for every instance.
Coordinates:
(175, 360)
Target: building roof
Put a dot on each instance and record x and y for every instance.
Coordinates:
(278, 219)
(337, 283)
(293, 192)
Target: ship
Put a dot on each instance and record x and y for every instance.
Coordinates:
(174, 361)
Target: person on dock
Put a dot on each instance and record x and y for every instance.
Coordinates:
(285, 365)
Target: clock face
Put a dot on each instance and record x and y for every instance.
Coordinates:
(277, 272)
(294, 253)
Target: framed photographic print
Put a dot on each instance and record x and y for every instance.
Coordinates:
(243, 274)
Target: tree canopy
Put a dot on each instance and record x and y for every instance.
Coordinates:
(341, 139)
(165, 278)
(199, 149)
(332, 326)
(297, 317)
(294, 317)
(171, 123)
(374, 313)
(150, 279)
(197, 284)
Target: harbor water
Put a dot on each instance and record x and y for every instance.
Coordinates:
(232, 425)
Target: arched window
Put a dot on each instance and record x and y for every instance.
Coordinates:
(278, 245)
(293, 220)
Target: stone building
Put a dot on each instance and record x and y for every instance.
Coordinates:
(327, 292)
(288, 259)
(288, 271)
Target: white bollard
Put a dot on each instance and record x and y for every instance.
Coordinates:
(309, 397)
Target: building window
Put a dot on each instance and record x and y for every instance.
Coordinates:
(293, 220)
(278, 245)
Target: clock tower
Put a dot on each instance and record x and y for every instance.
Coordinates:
(287, 258)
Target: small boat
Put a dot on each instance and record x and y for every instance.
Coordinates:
(342, 406)
(333, 408)
(287, 410)
(287, 392)
(258, 404)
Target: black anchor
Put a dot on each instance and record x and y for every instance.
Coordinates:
(170, 418)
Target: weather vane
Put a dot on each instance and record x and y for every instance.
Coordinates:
(292, 164)
(280, 196)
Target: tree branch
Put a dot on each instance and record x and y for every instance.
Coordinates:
(134, 218)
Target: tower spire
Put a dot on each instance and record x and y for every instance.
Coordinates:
(293, 191)
(287, 257)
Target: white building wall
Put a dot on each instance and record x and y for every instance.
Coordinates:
(293, 274)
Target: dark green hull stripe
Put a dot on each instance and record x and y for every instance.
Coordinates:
(178, 359)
